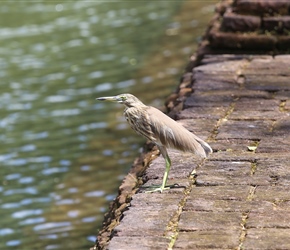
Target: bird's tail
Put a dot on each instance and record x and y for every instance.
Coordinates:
(206, 147)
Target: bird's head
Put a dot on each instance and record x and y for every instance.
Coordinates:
(126, 99)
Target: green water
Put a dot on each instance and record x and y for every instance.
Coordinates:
(62, 153)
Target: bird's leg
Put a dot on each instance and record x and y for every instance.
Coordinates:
(164, 153)
(167, 169)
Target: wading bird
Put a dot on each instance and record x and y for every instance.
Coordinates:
(160, 129)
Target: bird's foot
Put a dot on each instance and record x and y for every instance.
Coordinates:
(160, 189)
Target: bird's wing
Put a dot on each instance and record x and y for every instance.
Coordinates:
(172, 134)
(138, 119)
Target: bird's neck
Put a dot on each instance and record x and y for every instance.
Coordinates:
(135, 105)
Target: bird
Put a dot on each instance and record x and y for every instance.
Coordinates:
(160, 129)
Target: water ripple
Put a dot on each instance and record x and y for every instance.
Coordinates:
(96, 74)
(28, 148)
(54, 170)
(26, 180)
(8, 120)
(95, 125)
(35, 200)
(97, 193)
(57, 98)
(26, 213)
(103, 87)
(6, 231)
(40, 159)
(92, 238)
(52, 225)
(10, 205)
(29, 135)
(66, 202)
(73, 213)
(30, 221)
(125, 84)
(19, 106)
(12, 243)
(6, 157)
(28, 190)
(65, 112)
(89, 219)
(12, 176)
(65, 162)
(16, 162)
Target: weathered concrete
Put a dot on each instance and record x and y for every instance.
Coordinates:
(238, 198)
(242, 188)
(255, 25)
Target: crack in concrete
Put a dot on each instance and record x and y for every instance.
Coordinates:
(253, 167)
(251, 193)
(272, 126)
(282, 106)
(240, 80)
(244, 230)
(172, 230)
(250, 197)
(245, 217)
(223, 119)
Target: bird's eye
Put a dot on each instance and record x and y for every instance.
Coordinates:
(123, 98)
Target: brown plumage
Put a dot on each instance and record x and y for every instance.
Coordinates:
(160, 129)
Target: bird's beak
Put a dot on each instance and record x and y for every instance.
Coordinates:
(109, 98)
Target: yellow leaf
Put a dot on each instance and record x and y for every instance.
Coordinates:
(252, 148)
